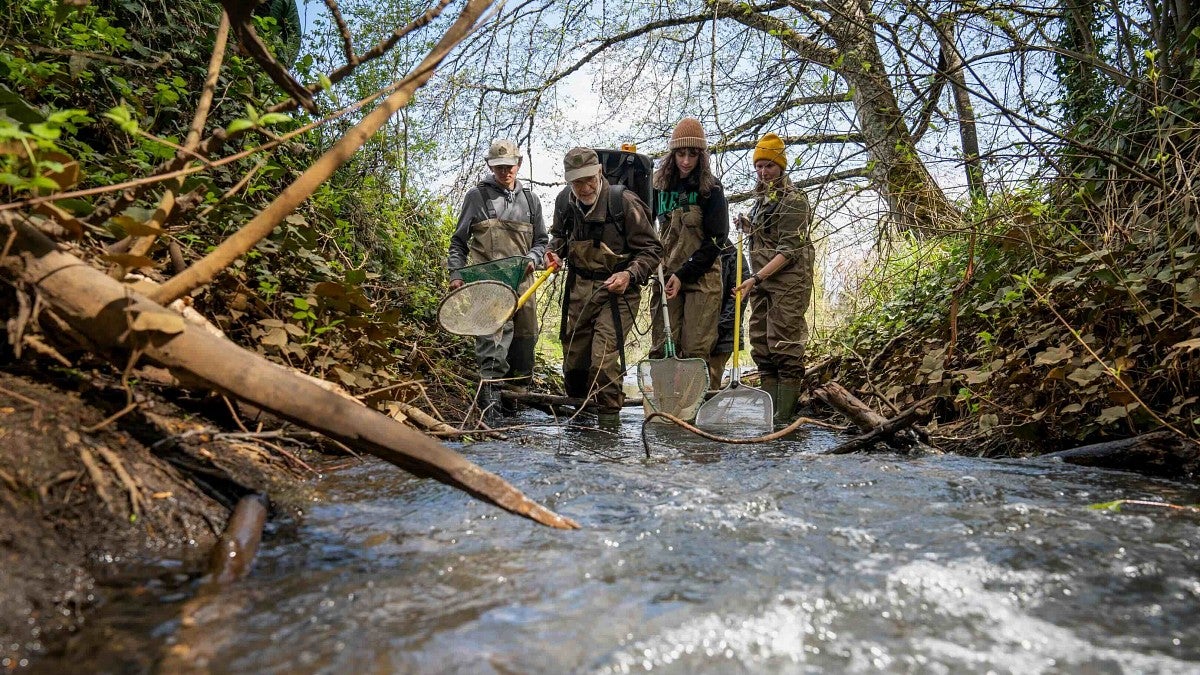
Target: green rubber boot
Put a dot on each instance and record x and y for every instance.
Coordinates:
(786, 400)
(608, 421)
(769, 384)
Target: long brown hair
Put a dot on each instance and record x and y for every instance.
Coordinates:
(666, 176)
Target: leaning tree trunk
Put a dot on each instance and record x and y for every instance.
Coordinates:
(916, 201)
(962, 103)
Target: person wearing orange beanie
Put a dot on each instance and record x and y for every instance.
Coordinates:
(693, 224)
(782, 257)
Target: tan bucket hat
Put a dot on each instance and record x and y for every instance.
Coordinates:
(503, 153)
(580, 163)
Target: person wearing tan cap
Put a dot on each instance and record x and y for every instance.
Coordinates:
(782, 257)
(693, 222)
(501, 218)
(605, 234)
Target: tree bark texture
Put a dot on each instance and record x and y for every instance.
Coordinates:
(876, 427)
(967, 132)
(915, 199)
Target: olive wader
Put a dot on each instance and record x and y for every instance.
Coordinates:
(778, 331)
(595, 323)
(695, 310)
(508, 354)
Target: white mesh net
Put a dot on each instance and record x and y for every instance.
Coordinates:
(674, 386)
(479, 308)
(737, 411)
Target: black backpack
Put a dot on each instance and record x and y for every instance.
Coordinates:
(624, 170)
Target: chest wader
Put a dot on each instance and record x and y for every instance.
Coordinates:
(778, 330)
(594, 321)
(694, 312)
(510, 353)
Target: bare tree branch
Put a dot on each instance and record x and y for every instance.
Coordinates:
(204, 270)
(241, 19)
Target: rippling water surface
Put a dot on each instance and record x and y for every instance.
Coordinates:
(707, 558)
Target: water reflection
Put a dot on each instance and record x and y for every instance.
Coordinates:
(715, 558)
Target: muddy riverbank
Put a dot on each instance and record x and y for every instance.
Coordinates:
(86, 499)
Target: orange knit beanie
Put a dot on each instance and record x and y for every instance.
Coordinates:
(771, 147)
(688, 134)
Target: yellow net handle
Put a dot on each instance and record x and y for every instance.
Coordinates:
(537, 281)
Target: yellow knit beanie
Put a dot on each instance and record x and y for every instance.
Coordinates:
(688, 134)
(770, 147)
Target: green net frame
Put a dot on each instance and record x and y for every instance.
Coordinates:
(508, 271)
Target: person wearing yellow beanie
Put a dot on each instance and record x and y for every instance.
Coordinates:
(770, 147)
(693, 222)
(782, 257)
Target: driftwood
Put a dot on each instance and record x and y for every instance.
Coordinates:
(420, 417)
(234, 552)
(885, 432)
(1160, 453)
(849, 405)
(118, 322)
(206, 621)
(898, 432)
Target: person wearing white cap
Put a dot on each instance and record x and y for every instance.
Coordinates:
(501, 218)
(608, 240)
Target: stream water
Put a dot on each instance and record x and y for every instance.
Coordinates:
(704, 558)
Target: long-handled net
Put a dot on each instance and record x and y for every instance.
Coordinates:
(489, 297)
(672, 385)
(737, 410)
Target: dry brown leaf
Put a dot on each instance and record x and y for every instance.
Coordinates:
(67, 221)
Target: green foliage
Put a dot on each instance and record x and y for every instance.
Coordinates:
(109, 92)
(1062, 335)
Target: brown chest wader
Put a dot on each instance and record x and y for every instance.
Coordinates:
(778, 330)
(696, 309)
(593, 261)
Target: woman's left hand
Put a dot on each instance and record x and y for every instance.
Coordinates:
(672, 287)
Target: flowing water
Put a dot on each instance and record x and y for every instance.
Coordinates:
(703, 559)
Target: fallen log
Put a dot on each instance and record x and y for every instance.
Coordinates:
(420, 417)
(1159, 453)
(866, 419)
(849, 405)
(119, 322)
(885, 432)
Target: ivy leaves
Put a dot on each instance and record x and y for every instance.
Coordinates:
(254, 120)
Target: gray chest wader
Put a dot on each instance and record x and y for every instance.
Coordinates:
(492, 239)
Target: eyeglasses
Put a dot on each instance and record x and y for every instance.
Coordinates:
(687, 152)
